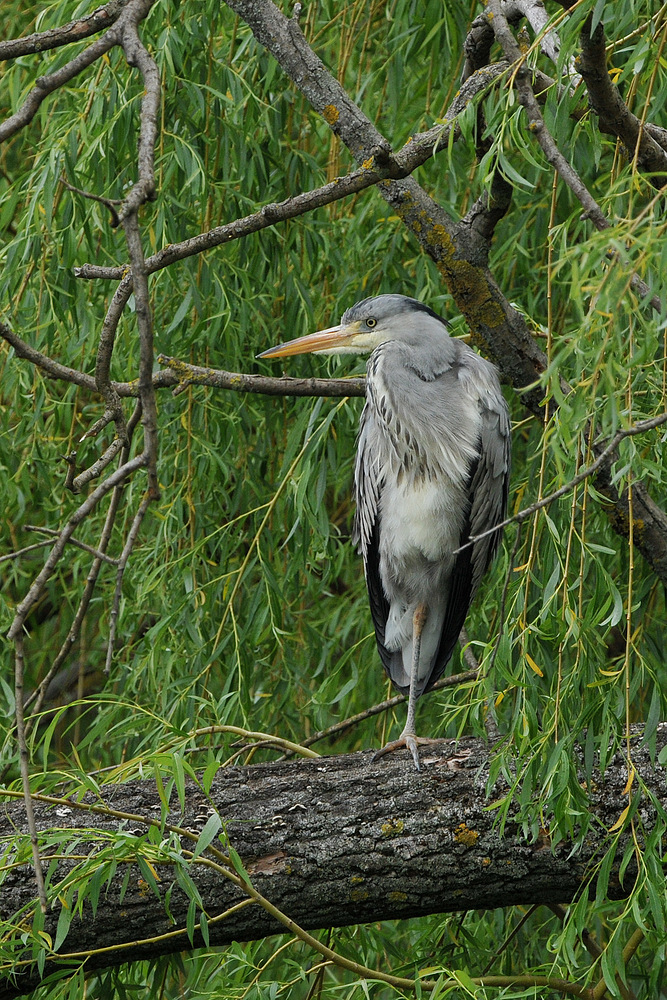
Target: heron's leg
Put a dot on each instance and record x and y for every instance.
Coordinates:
(409, 734)
(408, 737)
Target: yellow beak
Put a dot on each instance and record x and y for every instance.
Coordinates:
(335, 340)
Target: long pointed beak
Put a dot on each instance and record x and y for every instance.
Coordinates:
(334, 340)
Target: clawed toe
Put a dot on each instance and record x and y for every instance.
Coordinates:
(406, 741)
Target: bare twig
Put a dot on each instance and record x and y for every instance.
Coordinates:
(109, 203)
(537, 17)
(385, 706)
(536, 124)
(521, 74)
(91, 580)
(600, 989)
(137, 55)
(99, 465)
(26, 548)
(510, 937)
(105, 346)
(51, 367)
(179, 375)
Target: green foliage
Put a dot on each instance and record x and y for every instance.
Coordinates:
(243, 603)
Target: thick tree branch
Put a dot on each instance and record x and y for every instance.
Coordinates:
(331, 841)
(614, 116)
(42, 41)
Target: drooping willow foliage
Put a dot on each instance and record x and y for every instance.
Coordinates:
(243, 601)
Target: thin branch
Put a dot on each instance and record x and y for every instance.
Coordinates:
(549, 42)
(386, 706)
(122, 563)
(179, 375)
(75, 519)
(105, 348)
(536, 122)
(509, 938)
(73, 541)
(46, 85)
(600, 988)
(27, 548)
(78, 483)
(24, 764)
(41, 41)
(137, 55)
(639, 428)
(614, 116)
(51, 367)
(109, 203)
(380, 165)
(40, 693)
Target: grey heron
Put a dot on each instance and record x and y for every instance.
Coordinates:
(432, 469)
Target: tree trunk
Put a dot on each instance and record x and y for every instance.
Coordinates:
(333, 841)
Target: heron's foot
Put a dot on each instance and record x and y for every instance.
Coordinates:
(406, 741)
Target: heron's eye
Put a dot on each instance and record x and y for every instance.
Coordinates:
(370, 323)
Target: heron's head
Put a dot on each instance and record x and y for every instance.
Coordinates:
(366, 325)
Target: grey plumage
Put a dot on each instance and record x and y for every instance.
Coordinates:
(432, 469)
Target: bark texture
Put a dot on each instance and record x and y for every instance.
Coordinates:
(334, 841)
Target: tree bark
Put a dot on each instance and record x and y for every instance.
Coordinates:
(329, 841)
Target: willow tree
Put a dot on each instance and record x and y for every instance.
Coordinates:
(182, 186)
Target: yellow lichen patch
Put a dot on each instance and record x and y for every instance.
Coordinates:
(397, 897)
(331, 114)
(356, 879)
(367, 164)
(392, 828)
(358, 895)
(464, 835)
(486, 861)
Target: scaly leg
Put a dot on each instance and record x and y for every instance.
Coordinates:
(408, 738)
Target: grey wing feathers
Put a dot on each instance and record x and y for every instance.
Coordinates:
(489, 484)
(487, 492)
(367, 481)
(367, 484)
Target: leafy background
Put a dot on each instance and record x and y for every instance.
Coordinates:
(243, 602)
